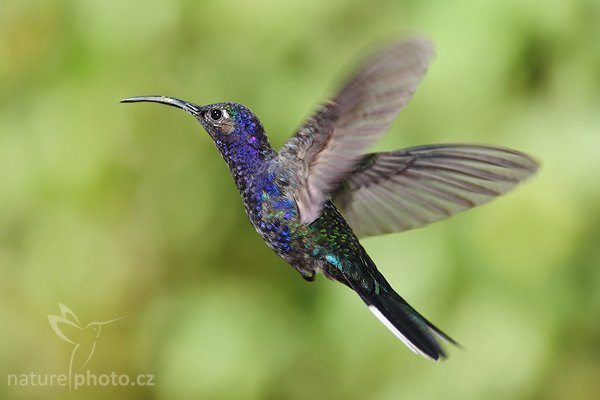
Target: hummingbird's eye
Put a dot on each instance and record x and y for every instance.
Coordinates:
(216, 114)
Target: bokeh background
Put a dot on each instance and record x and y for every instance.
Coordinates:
(128, 210)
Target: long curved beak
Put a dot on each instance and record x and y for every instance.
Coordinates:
(171, 101)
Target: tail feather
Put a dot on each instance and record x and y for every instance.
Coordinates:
(420, 335)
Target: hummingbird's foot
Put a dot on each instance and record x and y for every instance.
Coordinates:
(308, 276)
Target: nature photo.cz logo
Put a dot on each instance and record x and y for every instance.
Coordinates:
(83, 340)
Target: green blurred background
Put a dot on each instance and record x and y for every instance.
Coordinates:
(128, 210)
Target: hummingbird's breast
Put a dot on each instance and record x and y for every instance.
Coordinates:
(272, 210)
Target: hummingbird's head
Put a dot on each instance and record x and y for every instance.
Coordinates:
(228, 124)
(236, 131)
(94, 328)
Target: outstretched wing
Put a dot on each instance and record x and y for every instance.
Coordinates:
(328, 146)
(405, 189)
(65, 329)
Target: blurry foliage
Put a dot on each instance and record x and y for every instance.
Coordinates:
(128, 210)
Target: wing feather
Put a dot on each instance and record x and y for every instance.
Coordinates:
(327, 147)
(406, 189)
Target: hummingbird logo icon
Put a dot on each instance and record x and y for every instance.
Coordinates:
(83, 337)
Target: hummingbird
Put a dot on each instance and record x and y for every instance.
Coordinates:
(311, 200)
(82, 337)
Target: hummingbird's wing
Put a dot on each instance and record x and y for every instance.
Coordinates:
(65, 329)
(405, 189)
(327, 147)
(68, 314)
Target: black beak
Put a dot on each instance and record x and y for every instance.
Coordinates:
(171, 101)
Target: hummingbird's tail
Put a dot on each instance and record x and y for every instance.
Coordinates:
(420, 335)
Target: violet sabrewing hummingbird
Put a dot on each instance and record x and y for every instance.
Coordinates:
(313, 199)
